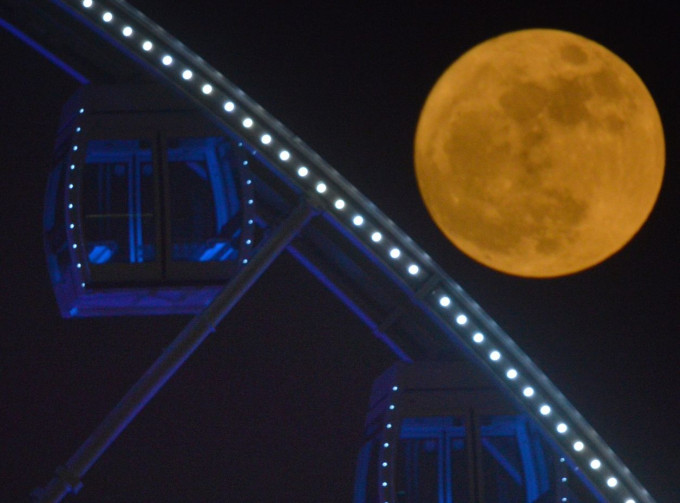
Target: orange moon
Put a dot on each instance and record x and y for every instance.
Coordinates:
(539, 153)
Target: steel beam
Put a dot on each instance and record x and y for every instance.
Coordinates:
(68, 477)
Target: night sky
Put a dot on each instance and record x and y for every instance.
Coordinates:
(271, 407)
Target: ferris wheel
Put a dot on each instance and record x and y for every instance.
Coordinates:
(172, 191)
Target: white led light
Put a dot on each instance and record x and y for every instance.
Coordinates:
(127, 31)
(578, 446)
(478, 338)
(528, 392)
(207, 89)
(461, 319)
(87, 3)
(107, 17)
(167, 60)
(247, 122)
(284, 155)
(302, 171)
(187, 74)
(73, 166)
(147, 46)
(595, 464)
(630, 501)
(384, 484)
(495, 356)
(413, 269)
(75, 246)
(612, 482)
(545, 410)
(384, 464)
(70, 186)
(339, 204)
(229, 106)
(562, 428)
(321, 187)
(388, 426)
(79, 265)
(376, 237)
(395, 253)
(444, 301)
(71, 226)
(358, 220)
(386, 445)
(266, 139)
(395, 388)
(511, 374)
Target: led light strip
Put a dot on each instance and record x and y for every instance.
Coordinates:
(322, 185)
(537, 399)
(228, 103)
(386, 452)
(76, 155)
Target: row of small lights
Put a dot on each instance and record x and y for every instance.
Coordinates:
(71, 178)
(71, 204)
(248, 196)
(386, 457)
(521, 385)
(318, 184)
(370, 232)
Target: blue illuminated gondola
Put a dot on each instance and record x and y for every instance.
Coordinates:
(442, 432)
(149, 207)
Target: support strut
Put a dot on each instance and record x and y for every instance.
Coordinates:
(68, 478)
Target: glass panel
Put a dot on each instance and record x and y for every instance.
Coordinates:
(204, 202)
(418, 478)
(459, 471)
(119, 220)
(502, 460)
(432, 461)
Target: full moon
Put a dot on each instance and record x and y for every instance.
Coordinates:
(539, 153)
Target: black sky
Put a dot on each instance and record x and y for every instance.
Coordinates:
(271, 407)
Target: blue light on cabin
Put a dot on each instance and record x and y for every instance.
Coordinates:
(118, 202)
(218, 251)
(132, 207)
(205, 205)
(101, 253)
(200, 203)
(513, 463)
(459, 444)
